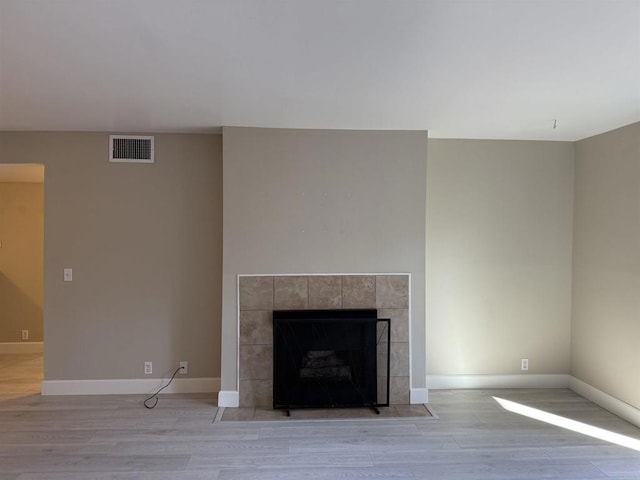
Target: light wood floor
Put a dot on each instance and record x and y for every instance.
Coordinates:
(21, 373)
(114, 437)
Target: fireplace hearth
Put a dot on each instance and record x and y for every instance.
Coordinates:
(327, 358)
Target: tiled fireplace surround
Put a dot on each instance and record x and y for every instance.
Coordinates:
(259, 295)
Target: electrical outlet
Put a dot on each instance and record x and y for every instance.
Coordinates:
(184, 367)
(148, 368)
(67, 274)
(524, 364)
(25, 334)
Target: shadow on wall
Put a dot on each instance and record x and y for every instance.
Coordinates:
(18, 312)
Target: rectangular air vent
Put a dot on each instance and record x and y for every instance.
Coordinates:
(131, 149)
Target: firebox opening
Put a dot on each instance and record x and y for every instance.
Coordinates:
(327, 365)
(327, 358)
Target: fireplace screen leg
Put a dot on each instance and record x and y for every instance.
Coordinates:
(375, 409)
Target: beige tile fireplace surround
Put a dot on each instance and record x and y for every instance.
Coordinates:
(259, 295)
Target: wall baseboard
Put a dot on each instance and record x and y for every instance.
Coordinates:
(606, 401)
(129, 386)
(228, 398)
(418, 395)
(453, 382)
(21, 347)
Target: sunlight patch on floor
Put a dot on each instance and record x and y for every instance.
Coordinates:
(569, 424)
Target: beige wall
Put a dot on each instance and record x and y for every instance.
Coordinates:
(606, 264)
(21, 247)
(499, 233)
(144, 242)
(317, 201)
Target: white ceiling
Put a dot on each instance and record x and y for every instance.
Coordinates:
(468, 69)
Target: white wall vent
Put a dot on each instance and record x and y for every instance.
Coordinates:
(130, 149)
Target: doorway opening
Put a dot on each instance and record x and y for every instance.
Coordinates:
(21, 278)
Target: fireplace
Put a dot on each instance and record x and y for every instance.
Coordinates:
(325, 358)
(260, 295)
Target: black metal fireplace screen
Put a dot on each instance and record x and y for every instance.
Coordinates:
(330, 358)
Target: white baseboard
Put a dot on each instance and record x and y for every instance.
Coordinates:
(228, 398)
(453, 382)
(129, 386)
(21, 347)
(418, 395)
(606, 401)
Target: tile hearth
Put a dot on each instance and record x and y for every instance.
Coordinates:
(259, 414)
(260, 295)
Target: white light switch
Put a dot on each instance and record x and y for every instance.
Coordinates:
(68, 274)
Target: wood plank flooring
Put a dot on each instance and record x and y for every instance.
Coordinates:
(115, 437)
(21, 373)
